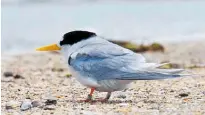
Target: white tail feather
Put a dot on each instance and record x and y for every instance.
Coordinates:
(153, 65)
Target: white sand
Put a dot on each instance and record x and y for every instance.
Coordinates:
(143, 97)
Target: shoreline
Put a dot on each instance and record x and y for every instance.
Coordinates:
(166, 43)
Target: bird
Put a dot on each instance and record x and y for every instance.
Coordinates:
(104, 66)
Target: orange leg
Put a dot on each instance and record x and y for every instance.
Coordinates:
(91, 91)
(89, 98)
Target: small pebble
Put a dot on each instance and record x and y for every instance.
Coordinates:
(26, 104)
(12, 105)
(57, 69)
(183, 95)
(51, 102)
(203, 92)
(171, 90)
(121, 96)
(36, 103)
(8, 74)
(49, 107)
(18, 76)
(9, 107)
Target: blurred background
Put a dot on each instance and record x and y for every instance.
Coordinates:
(27, 24)
(163, 31)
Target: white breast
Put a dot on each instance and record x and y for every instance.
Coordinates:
(87, 81)
(104, 85)
(113, 85)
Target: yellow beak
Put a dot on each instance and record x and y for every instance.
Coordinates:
(49, 48)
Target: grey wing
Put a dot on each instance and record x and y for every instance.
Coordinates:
(104, 62)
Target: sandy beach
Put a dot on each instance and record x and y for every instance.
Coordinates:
(44, 76)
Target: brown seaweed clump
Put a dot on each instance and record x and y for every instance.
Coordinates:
(155, 47)
(170, 66)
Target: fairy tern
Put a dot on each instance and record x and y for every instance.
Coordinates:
(104, 66)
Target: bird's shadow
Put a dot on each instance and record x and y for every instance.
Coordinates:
(106, 102)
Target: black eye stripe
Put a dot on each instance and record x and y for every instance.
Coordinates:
(61, 43)
(76, 36)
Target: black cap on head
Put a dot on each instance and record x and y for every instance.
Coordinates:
(76, 36)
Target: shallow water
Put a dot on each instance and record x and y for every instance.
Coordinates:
(26, 26)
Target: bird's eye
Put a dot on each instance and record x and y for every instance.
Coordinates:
(61, 43)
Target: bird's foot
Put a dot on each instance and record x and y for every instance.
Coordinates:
(102, 100)
(89, 99)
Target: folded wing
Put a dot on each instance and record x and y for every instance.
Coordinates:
(110, 61)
